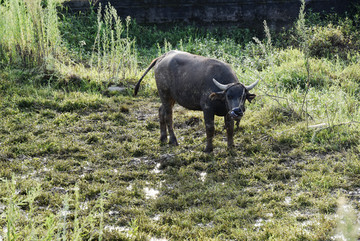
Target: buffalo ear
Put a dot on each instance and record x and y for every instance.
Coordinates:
(217, 96)
(250, 97)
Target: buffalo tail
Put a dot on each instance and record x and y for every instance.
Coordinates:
(147, 70)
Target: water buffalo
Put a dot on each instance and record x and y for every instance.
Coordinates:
(198, 83)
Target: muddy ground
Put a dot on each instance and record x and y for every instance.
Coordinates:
(78, 155)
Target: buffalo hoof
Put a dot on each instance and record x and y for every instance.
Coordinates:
(208, 149)
(230, 146)
(163, 139)
(173, 142)
(232, 151)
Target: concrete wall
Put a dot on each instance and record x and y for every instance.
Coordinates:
(243, 13)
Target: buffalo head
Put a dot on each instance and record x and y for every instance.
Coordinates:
(234, 95)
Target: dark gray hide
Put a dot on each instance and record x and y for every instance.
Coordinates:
(198, 83)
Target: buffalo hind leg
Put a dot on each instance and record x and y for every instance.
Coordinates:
(229, 125)
(169, 122)
(166, 121)
(210, 131)
(163, 132)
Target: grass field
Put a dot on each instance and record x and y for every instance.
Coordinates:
(81, 162)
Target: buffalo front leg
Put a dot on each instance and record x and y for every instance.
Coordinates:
(210, 131)
(229, 125)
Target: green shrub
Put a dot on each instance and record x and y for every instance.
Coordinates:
(351, 72)
(349, 79)
(291, 72)
(328, 41)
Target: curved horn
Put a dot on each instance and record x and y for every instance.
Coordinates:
(252, 85)
(220, 86)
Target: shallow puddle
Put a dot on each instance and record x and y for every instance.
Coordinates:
(156, 217)
(203, 176)
(117, 228)
(158, 239)
(150, 193)
(156, 170)
(288, 200)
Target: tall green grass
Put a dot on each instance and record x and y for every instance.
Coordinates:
(31, 36)
(29, 32)
(114, 51)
